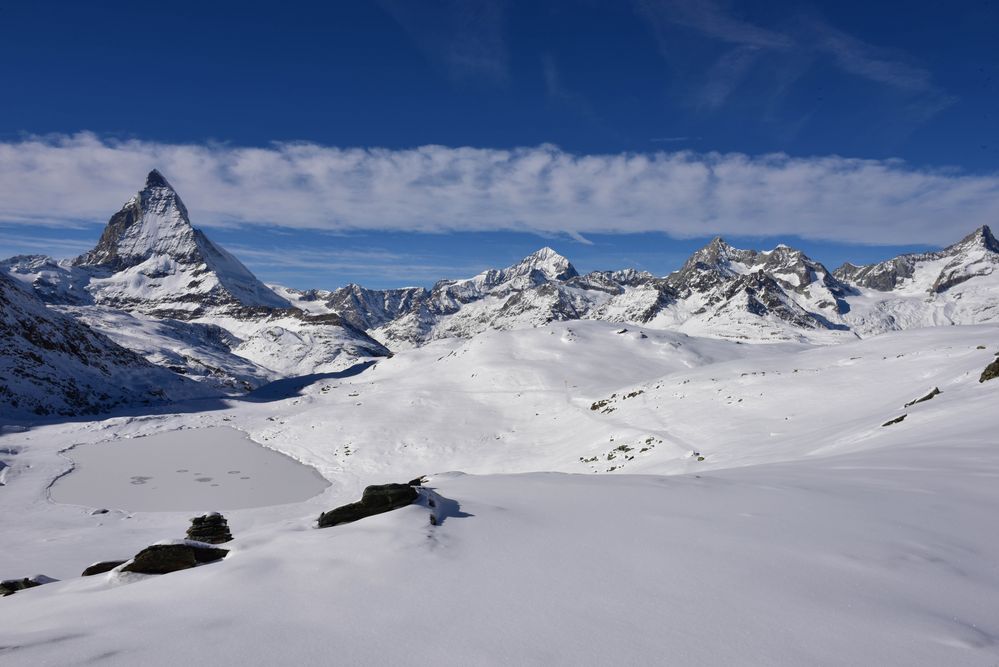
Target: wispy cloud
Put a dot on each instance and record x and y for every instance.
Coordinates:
(465, 37)
(711, 19)
(539, 189)
(801, 38)
(558, 92)
(726, 75)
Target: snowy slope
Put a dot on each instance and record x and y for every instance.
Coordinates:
(809, 534)
(52, 365)
(204, 352)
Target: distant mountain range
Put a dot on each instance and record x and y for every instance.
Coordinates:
(720, 291)
(157, 301)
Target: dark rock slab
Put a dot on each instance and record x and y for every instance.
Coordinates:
(897, 420)
(11, 586)
(376, 499)
(211, 528)
(166, 558)
(991, 372)
(102, 567)
(936, 391)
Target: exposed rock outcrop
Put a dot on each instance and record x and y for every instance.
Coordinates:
(211, 528)
(897, 420)
(11, 586)
(935, 392)
(102, 567)
(166, 558)
(991, 371)
(376, 499)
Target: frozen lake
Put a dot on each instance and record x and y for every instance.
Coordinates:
(204, 469)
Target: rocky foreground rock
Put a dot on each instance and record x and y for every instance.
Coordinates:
(376, 499)
(11, 586)
(991, 371)
(210, 528)
(102, 567)
(166, 558)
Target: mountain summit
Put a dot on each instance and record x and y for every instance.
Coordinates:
(547, 262)
(153, 222)
(980, 238)
(151, 258)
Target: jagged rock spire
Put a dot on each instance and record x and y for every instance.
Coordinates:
(981, 236)
(152, 235)
(154, 221)
(156, 180)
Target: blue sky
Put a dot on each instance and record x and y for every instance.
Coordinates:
(297, 135)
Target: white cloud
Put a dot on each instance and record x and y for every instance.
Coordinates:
(64, 179)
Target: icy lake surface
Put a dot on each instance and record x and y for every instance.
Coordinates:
(190, 469)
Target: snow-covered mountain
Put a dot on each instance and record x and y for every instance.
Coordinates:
(159, 286)
(50, 364)
(720, 291)
(150, 259)
(956, 285)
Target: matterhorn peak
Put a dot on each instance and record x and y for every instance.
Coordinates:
(153, 222)
(155, 179)
(151, 238)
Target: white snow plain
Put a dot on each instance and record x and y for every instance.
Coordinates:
(751, 509)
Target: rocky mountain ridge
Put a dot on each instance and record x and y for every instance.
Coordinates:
(720, 291)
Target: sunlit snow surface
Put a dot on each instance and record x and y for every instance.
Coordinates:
(808, 534)
(203, 469)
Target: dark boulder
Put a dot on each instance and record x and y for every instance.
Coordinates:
(207, 554)
(376, 499)
(991, 372)
(102, 567)
(166, 558)
(11, 586)
(211, 528)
